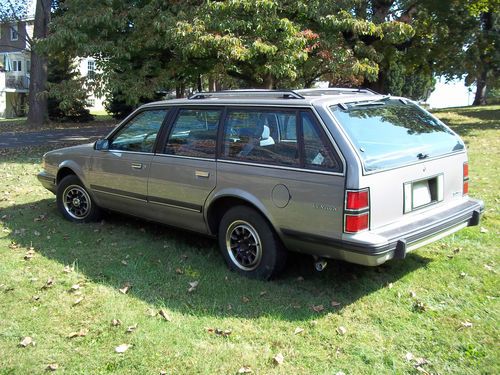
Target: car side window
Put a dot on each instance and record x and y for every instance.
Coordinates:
(317, 154)
(194, 133)
(139, 134)
(261, 136)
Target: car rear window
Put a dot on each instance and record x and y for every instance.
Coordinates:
(388, 133)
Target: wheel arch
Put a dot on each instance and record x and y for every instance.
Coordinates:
(67, 168)
(222, 202)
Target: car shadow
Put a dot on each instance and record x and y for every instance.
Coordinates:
(160, 262)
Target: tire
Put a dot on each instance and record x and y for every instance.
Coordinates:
(249, 244)
(75, 202)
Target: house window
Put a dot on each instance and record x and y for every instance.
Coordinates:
(91, 69)
(14, 32)
(90, 102)
(28, 66)
(17, 66)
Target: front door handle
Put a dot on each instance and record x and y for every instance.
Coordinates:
(137, 165)
(202, 174)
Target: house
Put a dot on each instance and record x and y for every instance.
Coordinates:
(15, 59)
(14, 67)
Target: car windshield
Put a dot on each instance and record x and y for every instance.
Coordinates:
(388, 133)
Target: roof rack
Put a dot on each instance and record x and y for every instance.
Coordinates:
(335, 91)
(279, 94)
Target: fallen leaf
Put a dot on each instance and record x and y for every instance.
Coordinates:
(318, 308)
(29, 255)
(483, 230)
(279, 359)
(163, 372)
(192, 286)
(81, 333)
(390, 285)
(466, 324)
(179, 271)
(335, 304)
(52, 367)
(341, 331)
(223, 333)
(35, 297)
(298, 330)
(419, 306)
(26, 341)
(263, 293)
(74, 287)
(68, 269)
(413, 294)
(131, 328)
(77, 301)
(340, 373)
(300, 278)
(245, 370)
(422, 370)
(420, 361)
(165, 315)
(122, 348)
(116, 322)
(409, 356)
(124, 262)
(14, 245)
(245, 299)
(462, 274)
(49, 283)
(125, 288)
(488, 268)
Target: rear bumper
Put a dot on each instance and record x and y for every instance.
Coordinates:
(47, 181)
(396, 243)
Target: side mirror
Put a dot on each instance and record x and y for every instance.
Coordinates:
(101, 145)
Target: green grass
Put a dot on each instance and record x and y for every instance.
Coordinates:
(413, 306)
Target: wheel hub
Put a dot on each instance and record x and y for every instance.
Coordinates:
(244, 245)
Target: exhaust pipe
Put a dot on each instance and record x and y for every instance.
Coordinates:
(320, 263)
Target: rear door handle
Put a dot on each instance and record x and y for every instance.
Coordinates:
(202, 174)
(137, 165)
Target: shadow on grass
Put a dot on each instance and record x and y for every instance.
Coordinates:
(161, 261)
(480, 119)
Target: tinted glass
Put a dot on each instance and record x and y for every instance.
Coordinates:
(267, 137)
(139, 134)
(194, 133)
(389, 133)
(317, 154)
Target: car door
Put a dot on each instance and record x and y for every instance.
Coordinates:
(120, 172)
(184, 172)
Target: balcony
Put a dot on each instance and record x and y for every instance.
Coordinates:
(17, 82)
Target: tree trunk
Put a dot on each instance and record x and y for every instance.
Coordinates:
(480, 98)
(37, 98)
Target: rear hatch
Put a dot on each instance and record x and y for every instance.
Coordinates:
(412, 164)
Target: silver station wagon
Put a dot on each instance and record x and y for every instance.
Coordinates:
(336, 173)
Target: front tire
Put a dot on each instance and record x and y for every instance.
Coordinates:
(75, 202)
(249, 244)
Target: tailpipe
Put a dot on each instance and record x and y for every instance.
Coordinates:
(319, 263)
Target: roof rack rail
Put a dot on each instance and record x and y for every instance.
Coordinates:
(282, 94)
(335, 91)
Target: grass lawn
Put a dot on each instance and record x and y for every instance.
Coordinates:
(435, 312)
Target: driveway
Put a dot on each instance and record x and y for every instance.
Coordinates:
(53, 136)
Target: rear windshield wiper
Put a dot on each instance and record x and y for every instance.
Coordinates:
(346, 106)
(422, 156)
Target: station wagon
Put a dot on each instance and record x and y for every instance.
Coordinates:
(344, 174)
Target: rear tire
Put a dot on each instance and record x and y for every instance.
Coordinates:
(249, 244)
(75, 202)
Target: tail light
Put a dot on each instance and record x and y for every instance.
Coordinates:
(465, 189)
(357, 211)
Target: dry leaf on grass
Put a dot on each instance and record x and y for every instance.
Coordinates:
(163, 313)
(26, 341)
(125, 288)
(77, 301)
(68, 269)
(466, 324)
(122, 348)
(245, 370)
(29, 254)
(192, 286)
(483, 230)
(124, 262)
(81, 333)
(489, 268)
(49, 283)
(318, 308)
(413, 294)
(279, 359)
(52, 367)
(409, 356)
(341, 331)
(335, 304)
(74, 287)
(298, 330)
(178, 271)
(263, 293)
(245, 299)
(116, 322)
(131, 328)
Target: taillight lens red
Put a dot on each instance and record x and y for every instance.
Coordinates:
(465, 189)
(357, 200)
(356, 223)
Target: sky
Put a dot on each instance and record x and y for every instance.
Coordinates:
(451, 94)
